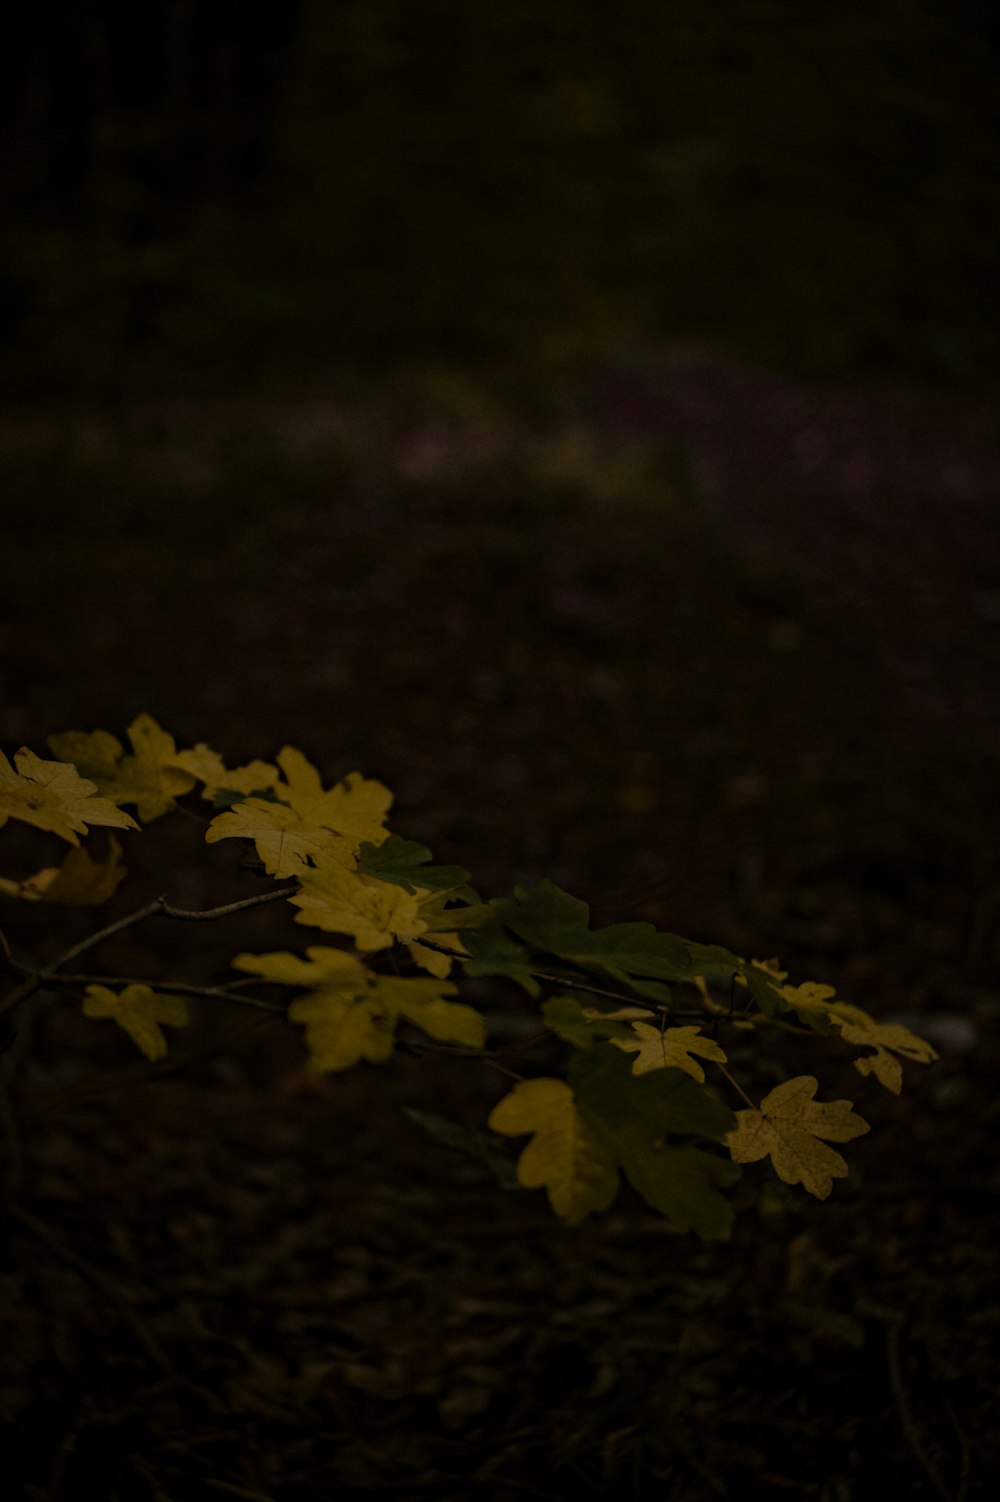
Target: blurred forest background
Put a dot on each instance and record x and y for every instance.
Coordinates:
(581, 417)
(245, 193)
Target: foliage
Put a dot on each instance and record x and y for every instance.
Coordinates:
(646, 1092)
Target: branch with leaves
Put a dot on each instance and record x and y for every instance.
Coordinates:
(646, 1087)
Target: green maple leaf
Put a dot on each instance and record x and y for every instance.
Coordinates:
(670, 1048)
(793, 1129)
(467, 1139)
(52, 795)
(138, 1011)
(581, 1025)
(635, 1117)
(150, 778)
(492, 951)
(405, 862)
(550, 919)
(565, 1156)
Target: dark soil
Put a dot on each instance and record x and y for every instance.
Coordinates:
(710, 649)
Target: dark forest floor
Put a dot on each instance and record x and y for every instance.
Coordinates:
(708, 648)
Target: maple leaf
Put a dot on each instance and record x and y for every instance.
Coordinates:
(139, 1011)
(424, 1003)
(52, 795)
(669, 1049)
(284, 841)
(492, 951)
(356, 806)
(637, 1115)
(565, 1156)
(405, 862)
(149, 778)
(467, 1139)
(308, 823)
(793, 1129)
(351, 1013)
(810, 1002)
(551, 919)
(80, 881)
(887, 1039)
(441, 929)
(581, 1025)
(207, 767)
(322, 968)
(374, 914)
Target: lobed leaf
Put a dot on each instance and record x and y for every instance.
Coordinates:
(405, 862)
(52, 795)
(138, 1011)
(552, 920)
(208, 768)
(150, 778)
(793, 1129)
(80, 881)
(565, 1156)
(635, 1116)
(374, 913)
(670, 1048)
(581, 1025)
(286, 844)
(351, 1013)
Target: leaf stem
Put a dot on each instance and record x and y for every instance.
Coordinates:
(737, 1087)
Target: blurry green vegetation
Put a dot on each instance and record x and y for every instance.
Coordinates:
(215, 194)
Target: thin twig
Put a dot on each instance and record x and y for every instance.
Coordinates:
(159, 906)
(165, 987)
(9, 957)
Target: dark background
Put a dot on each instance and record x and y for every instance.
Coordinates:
(583, 419)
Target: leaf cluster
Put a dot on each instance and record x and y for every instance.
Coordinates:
(645, 1094)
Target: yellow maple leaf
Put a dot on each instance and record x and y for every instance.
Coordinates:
(374, 913)
(322, 968)
(139, 1011)
(670, 1049)
(355, 806)
(424, 1003)
(285, 842)
(80, 881)
(432, 960)
(565, 1156)
(150, 778)
(52, 795)
(207, 767)
(810, 1001)
(887, 1039)
(792, 1129)
(342, 1028)
(310, 824)
(351, 1013)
